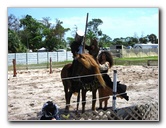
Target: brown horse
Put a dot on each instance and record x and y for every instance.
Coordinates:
(86, 65)
(70, 86)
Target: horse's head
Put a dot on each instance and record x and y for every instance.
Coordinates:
(84, 64)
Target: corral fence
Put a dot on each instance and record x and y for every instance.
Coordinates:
(38, 57)
(147, 111)
(142, 112)
(42, 59)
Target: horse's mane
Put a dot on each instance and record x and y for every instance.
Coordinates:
(88, 61)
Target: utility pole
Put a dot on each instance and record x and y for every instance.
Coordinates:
(86, 25)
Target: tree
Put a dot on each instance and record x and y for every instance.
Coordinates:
(105, 41)
(93, 26)
(90, 35)
(143, 40)
(54, 35)
(13, 23)
(33, 29)
(152, 38)
(74, 30)
(46, 22)
(70, 40)
(14, 43)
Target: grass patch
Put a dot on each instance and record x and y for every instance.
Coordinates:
(134, 60)
(139, 58)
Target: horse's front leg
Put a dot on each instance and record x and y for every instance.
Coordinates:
(94, 99)
(69, 94)
(105, 106)
(83, 100)
(78, 101)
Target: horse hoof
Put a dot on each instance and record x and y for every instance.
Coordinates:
(99, 108)
(66, 110)
(95, 110)
(104, 109)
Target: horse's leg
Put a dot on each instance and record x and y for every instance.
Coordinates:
(100, 104)
(69, 94)
(83, 100)
(100, 98)
(105, 104)
(66, 96)
(78, 100)
(94, 99)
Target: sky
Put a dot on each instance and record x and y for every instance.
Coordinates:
(117, 22)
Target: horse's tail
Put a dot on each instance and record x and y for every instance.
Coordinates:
(99, 77)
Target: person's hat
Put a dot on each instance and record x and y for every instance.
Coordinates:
(80, 33)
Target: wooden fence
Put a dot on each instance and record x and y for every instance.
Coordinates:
(144, 112)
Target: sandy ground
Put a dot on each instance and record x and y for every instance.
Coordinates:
(30, 89)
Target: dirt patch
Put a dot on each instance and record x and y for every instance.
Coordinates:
(32, 88)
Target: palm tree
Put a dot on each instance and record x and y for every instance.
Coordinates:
(90, 35)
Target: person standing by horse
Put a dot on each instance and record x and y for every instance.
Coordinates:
(105, 61)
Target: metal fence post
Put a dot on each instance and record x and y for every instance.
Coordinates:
(66, 56)
(37, 58)
(47, 59)
(26, 60)
(114, 90)
(57, 56)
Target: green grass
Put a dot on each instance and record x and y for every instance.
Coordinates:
(138, 58)
(134, 60)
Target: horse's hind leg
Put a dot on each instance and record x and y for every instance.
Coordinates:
(94, 99)
(83, 100)
(100, 104)
(78, 100)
